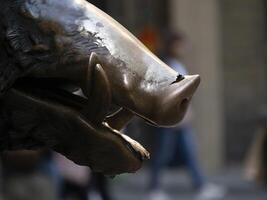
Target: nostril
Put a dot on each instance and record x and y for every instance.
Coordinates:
(179, 78)
(184, 102)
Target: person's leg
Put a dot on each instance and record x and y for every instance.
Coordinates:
(100, 183)
(188, 147)
(205, 190)
(50, 169)
(165, 146)
(73, 191)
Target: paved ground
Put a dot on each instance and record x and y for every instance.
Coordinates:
(177, 185)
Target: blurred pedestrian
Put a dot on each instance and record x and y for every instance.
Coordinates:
(256, 160)
(99, 186)
(179, 141)
(75, 179)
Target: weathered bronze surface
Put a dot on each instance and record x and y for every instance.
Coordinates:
(50, 49)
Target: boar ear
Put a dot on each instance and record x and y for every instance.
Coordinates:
(99, 93)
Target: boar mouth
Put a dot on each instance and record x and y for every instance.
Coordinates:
(122, 154)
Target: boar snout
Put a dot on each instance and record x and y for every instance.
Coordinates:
(174, 100)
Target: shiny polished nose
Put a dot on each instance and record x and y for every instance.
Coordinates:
(175, 100)
(185, 89)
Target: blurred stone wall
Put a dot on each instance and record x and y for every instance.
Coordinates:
(137, 14)
(200, 20)
(244, 71)
(228, 49)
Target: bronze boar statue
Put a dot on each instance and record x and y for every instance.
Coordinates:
(50, 49)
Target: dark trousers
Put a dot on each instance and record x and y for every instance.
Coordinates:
(74, 191)
(100, 183)
(175, 144)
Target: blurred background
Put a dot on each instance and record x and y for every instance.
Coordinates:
(226, 44)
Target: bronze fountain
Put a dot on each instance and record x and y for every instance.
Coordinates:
(50, 49)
